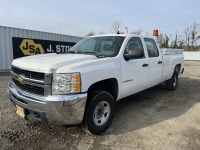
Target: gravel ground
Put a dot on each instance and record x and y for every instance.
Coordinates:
(153, 119)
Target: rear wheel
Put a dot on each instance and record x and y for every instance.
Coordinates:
(172, 83)
(100, 112)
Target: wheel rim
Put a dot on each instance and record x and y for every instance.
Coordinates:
(101, 113)
(174, 81)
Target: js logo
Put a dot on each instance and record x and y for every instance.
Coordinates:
(28, 47)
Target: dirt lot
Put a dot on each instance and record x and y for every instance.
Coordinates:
(154, 119)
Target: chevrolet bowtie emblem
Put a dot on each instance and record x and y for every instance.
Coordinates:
(20, 79)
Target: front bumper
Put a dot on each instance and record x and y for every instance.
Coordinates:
(56, 109)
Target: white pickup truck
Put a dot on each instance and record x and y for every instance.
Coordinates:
(84, 84)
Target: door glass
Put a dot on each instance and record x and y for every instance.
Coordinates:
(134, 43)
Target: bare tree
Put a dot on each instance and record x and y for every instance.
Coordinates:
(116, 26)
(101, 33)
(191, 33)
(160, 39)
(180, 41)
(137, 32)
(174, 43)
(163, 40)
(91, 33)
(187, 36)
(166, 43)
(194, 31)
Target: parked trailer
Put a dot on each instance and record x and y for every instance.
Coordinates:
(15, 43)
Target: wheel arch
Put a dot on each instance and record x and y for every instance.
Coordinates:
(178, 68)
(110, 85)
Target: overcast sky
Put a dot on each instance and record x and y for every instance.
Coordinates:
(79, 17)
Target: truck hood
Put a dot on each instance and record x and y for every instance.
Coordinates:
(49, 62)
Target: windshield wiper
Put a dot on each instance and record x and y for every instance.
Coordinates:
(86, 52)
(72, 52)
(67, 52)
(93, 53)
(100, 56)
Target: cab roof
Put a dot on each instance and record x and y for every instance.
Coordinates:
(120, 35)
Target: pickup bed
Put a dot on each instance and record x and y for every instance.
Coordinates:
(84, 84)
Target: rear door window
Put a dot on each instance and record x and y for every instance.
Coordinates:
(152, 48)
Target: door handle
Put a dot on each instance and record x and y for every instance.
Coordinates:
(145, 65)
(160, 62)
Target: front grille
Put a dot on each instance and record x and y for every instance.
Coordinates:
(29, 88)
(29, 74)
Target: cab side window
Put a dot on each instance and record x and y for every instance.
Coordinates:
(152, 48)
(134, 43)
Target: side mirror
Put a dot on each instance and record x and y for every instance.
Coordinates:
(133, 54)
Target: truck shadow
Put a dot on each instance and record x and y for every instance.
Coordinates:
(154, 105)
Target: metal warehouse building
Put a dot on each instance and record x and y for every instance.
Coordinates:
(15, 43)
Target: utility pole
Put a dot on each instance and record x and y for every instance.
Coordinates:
(126, 30)
(60, 32)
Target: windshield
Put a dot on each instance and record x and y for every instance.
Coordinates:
(104, 46)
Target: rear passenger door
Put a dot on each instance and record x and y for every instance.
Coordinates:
(154, 61)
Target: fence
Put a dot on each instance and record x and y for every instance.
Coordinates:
(191, 55)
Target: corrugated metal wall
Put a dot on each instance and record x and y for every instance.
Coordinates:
(6, 49)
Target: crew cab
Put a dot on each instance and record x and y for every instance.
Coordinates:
(84, 84)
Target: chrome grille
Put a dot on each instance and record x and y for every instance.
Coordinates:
(31, 82)
(29, 88)
(29, 74)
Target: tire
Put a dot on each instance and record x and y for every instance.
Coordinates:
(100, 112)
(172, 83)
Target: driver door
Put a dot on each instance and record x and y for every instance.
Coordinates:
(135, 71)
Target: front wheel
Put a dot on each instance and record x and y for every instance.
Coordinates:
(172, 83)
(100, 112)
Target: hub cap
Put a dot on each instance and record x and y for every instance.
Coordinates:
(101, 113)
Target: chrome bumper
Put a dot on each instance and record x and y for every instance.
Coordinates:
(56, 109)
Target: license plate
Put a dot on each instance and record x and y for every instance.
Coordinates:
(20, 111)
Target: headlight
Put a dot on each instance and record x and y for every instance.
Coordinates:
(66, 83)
